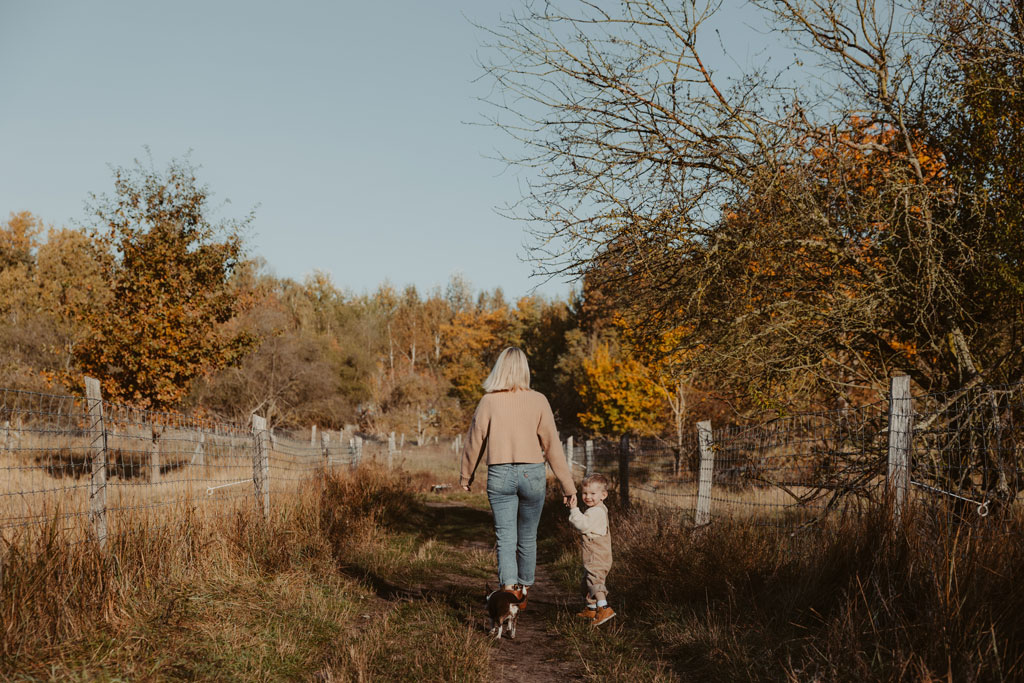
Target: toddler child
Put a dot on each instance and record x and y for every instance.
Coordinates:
(597, 547)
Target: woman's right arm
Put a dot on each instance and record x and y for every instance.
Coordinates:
(476, 439)
(547, 434)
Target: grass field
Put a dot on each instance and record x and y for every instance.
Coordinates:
(368, 575)
(238, 598)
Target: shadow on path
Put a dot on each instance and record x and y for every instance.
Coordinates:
(538, 654)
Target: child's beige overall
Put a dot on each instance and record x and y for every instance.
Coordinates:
(597, 547)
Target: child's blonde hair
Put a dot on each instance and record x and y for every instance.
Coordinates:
(597, 478)
(510, 371)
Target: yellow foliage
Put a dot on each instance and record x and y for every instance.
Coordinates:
(619, 394)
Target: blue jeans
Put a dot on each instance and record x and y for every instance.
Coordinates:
(516, 493)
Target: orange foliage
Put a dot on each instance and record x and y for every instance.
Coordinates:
(469, 344)
(618, 394)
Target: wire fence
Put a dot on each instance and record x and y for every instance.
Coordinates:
(84, 466)
(68, 459)
(958, 453)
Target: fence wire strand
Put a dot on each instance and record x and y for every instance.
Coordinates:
(964, 458)
(154, 460)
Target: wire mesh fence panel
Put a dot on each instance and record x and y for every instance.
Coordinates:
(964, 456)
(292, 459)
(968, 448)
(778, 471)
(441, 456)
(663, 473)
(801, 466)
(64, 466)
(45, 456)
(64, 458)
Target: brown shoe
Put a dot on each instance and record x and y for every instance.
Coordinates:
(587, 613)
(603, 614)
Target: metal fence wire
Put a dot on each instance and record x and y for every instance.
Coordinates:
(957, 453)
(784, 469)
(61, 464)
(85, 466)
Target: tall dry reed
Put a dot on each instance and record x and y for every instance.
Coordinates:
(183, 593)
(853, 599)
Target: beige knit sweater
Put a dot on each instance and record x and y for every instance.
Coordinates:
(515, 427)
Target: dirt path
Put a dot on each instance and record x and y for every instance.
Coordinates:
(538, 654)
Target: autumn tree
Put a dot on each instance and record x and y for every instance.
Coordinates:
(618, 394)
(20, 325)
(72, 289)
(470, 343)
(812, 234)
(540, 328)
(309, 363)
(975, 117)
(49, 279)
(812, 229)
(168, 264)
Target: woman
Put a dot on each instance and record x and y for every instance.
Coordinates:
(513, 428)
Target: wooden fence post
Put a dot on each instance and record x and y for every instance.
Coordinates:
(457, 448)
(260, 465)
(312, 436)
(901, 434)
(702, 514)
(588, 458)
(154, 455)
(568, 452)
(359, 451)
(391, 450)
(199, 450)
(98, 449)
(12, 436)
(624, 471)
(325, 448)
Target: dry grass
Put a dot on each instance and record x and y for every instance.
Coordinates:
(850, 600)
(342, 583)
(237, 597)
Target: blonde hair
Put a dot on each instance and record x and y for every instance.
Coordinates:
(510, 371)
(598, 479)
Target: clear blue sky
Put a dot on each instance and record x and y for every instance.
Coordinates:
(344, 121)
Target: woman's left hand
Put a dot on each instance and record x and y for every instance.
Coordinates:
(570, 500)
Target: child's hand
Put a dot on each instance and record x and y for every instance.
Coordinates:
(569, 501)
